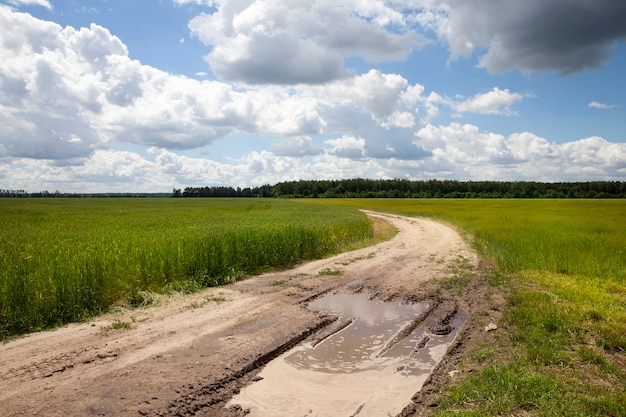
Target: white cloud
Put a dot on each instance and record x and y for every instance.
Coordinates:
(377, 93)
(67, 93)
(457, 151)
(297, 147)
(42, 3)
(602, 106)
(348, 147)
(495, 101)
(101, 172)
(464, 152)
(302, 41)
(209, 3)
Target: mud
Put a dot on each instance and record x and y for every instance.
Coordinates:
(371, 366)
(191, 355)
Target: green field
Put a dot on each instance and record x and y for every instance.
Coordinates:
(562, 264)
(64, 260)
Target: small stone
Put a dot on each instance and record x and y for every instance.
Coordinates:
(452, 374)
(490, 327)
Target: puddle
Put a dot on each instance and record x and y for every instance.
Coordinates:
(364, 369)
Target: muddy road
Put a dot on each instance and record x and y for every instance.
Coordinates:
(193, 354)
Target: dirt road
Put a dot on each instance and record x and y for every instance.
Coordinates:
(191, 355)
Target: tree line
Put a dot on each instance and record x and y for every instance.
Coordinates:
(401, 188)
(375, 188)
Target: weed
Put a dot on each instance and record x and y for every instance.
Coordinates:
(460, 273)
(207, 300)
(116, 325)
(590, 356)
(183, 286)
(142, 299)
(483, 355)
(330, 272)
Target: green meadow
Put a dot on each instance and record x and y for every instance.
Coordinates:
(65, 260)
(561, 346)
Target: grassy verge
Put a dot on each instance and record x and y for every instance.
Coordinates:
(560, 348)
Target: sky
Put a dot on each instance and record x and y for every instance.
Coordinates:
(151, 95)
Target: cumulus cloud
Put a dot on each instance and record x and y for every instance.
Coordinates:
(39, 89)
(381, 109)
(43, 3)
(196, 2)
(463, 151)
(297, 147)
(378, 93)
(268, 41)
(348, 147)
(457, 151)
(68, 92)
(602, 106)
(495, 101)
(302, 41)
(565, 36)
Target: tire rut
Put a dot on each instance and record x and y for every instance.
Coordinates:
(210, 399)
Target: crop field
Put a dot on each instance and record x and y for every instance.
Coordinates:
(64, 260)
(562, 264)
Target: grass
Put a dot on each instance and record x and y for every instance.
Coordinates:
(330, 272)
(460, 273)
(561, 347)
(64, 260)
(208, 299)
(116, 325)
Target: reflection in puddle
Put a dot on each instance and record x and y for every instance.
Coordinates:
(357, 371)
(357, 346)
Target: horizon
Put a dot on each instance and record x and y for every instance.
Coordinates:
(180, 192)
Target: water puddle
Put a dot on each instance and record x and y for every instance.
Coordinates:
(370, 367)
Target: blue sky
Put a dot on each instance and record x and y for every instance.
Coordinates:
(113, 95)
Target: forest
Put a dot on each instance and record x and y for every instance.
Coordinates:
(400, 188)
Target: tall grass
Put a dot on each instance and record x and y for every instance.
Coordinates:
(566, 315)
(65, 260)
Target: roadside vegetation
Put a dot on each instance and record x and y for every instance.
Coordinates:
(65, 260)
(561, 345)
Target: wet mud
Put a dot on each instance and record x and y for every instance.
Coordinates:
(372, 363)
